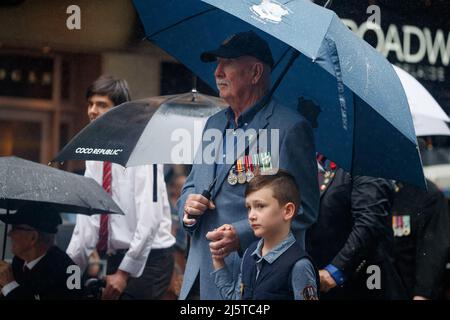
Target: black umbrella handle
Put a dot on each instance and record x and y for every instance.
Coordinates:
(207, 194)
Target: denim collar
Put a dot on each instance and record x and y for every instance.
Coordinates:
(276, 252)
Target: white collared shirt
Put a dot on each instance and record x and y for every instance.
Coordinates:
(7, 288)
(30, 265)
(146, 224)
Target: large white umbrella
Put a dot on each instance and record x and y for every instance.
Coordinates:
(427, 126)
(428, 116)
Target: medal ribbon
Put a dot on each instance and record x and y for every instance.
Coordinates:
(239, 165)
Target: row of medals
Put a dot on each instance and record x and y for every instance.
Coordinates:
(401, 225)
(248, 167)
(328, 175)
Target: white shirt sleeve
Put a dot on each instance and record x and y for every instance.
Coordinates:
(7, 288)
(84, 237)
(149, 215)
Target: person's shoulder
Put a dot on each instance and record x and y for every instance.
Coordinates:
(281, 110)
(287, 116)
(219, 116)
(433, 189)
(427, 198)
(304, 268)
(59, 258)
(304, 263)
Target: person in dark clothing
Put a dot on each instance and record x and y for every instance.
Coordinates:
(421, 238)
(39, 270)
(353, 238)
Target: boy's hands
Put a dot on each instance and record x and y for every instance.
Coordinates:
(218, 243)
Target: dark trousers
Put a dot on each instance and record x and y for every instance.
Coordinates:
(155, 279)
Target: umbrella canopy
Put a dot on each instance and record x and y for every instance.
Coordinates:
(364, 123)
(427, 126)
(23, 181)
(165, 129)
(420, 101)
(428, 116)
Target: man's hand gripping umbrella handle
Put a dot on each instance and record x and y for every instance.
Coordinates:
(207, 194)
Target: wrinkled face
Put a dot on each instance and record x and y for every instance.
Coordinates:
(22, 239)
(265, 215)
(98, 105)
(234, 77)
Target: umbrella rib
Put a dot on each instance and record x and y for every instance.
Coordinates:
(180, 22)
(353, 139)
(294, 56)
(281, 57)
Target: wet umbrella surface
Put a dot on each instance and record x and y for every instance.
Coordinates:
(334, 78)
(23, 181)
(158, 130)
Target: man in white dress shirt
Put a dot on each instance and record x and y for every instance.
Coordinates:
(137, 246)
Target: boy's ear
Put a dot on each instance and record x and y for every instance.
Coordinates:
(289, 211)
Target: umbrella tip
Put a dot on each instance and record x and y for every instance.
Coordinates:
(194, 94)
(328, 4)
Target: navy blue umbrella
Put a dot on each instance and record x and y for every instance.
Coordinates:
(348, 91)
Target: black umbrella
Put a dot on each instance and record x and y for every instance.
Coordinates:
(23, 181)
(158, 130)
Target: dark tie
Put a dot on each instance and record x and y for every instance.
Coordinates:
(102, 244)
(26, 274)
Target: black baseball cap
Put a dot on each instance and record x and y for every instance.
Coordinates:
(241, 44)
(38, 216)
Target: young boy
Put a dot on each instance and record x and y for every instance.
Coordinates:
(275, 267)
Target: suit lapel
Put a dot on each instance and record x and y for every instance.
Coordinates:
(260, 121)
(328, 179)
(207, 174)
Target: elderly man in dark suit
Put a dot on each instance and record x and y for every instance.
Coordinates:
(244, 64)
(39, 270)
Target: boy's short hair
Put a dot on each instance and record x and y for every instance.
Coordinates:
(283, 185)
(115, 89)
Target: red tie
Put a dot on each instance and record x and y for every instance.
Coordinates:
(102, 244)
